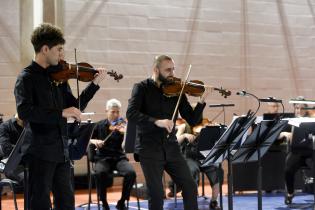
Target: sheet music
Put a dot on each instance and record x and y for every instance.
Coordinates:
(293, 101)
(205, 152)
(85, 117)
(297, 121)
(259, 119)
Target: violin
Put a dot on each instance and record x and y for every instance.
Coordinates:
(174, 85)
(118, 125)
(205, 122)
(83, 71)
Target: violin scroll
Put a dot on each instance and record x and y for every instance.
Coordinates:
(224, 92)
(114, 74)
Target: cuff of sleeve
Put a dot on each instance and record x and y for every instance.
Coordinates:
(201, 105)
(152, 120)
(94, 86)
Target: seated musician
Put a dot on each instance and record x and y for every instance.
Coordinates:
(10, 132)
(106, 142)
(295, 158)
(272, 108)
(187, 137)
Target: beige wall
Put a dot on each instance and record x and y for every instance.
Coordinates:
(263, 46)
(9, 53)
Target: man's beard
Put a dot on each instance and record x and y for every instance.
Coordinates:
(162, 79)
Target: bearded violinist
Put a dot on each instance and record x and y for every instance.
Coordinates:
(44, 108)
(152, 111)
(107, 152)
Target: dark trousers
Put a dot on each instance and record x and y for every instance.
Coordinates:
(178, 170)
(104, 169)
(48, 176)
(293, 163)
(214, 173)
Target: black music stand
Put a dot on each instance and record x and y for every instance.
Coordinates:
(79, 136)
(229, 141)
(256, 146)
(14, 160)
(206, 140)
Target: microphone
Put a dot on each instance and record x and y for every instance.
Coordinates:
(270, 99)
(220, 105)
(241, 93)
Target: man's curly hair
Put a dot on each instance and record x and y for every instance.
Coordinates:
(46, 34)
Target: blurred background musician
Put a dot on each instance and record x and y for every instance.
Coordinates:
(106, 149)
(296, 157)
(188, 139)
(10, 132)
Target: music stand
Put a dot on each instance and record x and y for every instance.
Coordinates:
(273, 116)
(15, 159)
(256, 146)
(206, 140)
(224, 146)
(79, 136)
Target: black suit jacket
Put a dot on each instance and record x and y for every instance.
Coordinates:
(39, 104)
(148, 104)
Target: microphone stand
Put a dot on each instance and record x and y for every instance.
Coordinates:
(220, 165)
(223, 110)
(252, 95)
(259, 177)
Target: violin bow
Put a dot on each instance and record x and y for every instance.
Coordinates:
(76, 63)
(180, 96)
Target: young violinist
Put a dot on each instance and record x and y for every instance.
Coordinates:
(107, 153)
(158, 149)
(44, 108)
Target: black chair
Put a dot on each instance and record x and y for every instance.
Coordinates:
(92, 175)
(306, 171)
(12, 184)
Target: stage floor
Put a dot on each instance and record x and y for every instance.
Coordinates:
(240, 202)
(243, 201)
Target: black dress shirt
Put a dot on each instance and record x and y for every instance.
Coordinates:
(148, 104)
(112, 148)
(40, 104)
